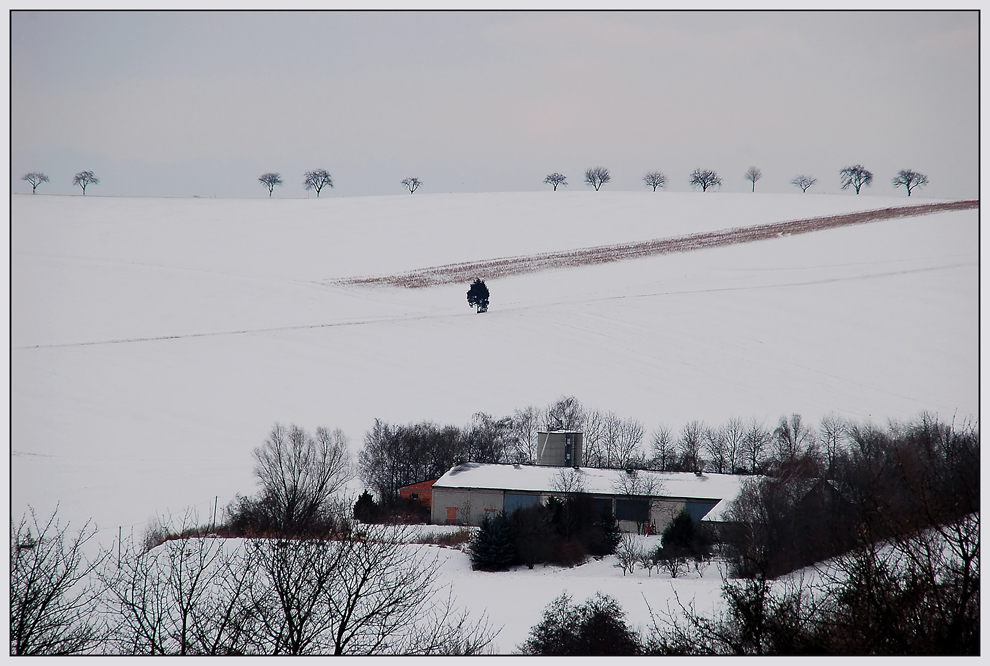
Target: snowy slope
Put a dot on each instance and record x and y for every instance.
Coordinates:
(514, 600)
(156, 341)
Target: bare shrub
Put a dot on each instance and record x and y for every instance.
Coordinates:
(627, 555)
(446, 539)
(50, 596)
(186, 596)
(360, 596)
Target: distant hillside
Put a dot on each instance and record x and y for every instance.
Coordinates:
(156, 341)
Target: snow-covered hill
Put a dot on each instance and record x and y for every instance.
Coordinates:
(156, 341)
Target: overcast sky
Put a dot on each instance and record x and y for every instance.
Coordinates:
(201, 104)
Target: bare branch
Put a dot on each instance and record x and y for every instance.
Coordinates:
(50, 598)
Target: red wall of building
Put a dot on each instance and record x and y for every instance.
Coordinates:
(423, 490)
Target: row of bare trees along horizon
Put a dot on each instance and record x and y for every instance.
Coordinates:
(856, 176)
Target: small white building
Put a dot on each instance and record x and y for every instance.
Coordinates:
(466, 493)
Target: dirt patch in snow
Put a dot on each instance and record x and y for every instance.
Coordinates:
(506, 266)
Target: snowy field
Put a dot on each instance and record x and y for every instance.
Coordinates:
(515, 600)
(156, 341)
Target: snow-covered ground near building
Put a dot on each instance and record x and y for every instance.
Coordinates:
(514, 600)
(154, 342)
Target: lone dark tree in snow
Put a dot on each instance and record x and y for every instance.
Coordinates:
(909, 179)
(412, 184)
(857, 176)
(492, 548)
(753, 175)
(270, 180)
(35, 179)
(705, 178)
(555, 179)
(655, 179)
(597, 177)
(804, 182)
(85, 178)
(478, 295)
(317, 180)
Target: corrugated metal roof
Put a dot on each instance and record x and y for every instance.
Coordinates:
(535, 478)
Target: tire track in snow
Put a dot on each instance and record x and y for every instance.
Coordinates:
(509, 309)
(212, 334)
(804, 283)
(508, 266)
(452, 273)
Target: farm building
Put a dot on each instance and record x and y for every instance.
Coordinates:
(637, 498)
(421, 492)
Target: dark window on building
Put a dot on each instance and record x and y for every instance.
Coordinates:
(603, 504)
(632, 509)
(515, 501)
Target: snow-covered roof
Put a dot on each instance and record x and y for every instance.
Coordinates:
(536, 478)
(719, 511)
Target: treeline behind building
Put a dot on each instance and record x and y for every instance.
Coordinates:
(880, 483)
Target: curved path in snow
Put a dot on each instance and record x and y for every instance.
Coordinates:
(506, 266)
